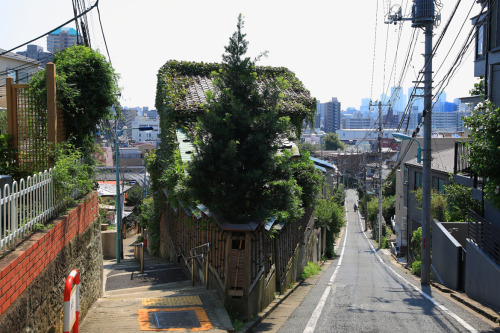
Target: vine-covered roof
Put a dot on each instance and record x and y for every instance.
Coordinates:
(182, 87)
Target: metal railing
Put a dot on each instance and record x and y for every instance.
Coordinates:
(25, 205)
(204, 257)
(485, 235)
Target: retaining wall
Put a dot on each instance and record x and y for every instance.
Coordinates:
(32, 277)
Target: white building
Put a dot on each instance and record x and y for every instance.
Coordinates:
(141, 136)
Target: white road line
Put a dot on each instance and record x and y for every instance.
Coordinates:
(311, 324)
(421, 292)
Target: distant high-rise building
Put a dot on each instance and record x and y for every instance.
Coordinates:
(365, 106)
(61, 39)
(129, 115)
(332, 115)
(398, 99)
(36, 52)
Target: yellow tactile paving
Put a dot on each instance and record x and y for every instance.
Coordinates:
(172, 301)
(145, 325)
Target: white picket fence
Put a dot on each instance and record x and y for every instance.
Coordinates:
(26, 204)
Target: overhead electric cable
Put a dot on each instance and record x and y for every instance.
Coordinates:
(45, 34)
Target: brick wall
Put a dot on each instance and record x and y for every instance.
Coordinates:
(32, 277)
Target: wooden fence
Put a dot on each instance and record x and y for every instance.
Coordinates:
(33, 127)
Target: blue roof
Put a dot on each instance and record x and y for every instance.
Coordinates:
(322, 163)
(320, 168)
(71, 31)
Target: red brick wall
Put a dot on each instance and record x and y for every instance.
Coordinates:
(22, 266)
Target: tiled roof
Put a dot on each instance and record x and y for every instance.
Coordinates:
(194, 80)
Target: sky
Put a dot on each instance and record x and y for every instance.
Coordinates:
(336, 48)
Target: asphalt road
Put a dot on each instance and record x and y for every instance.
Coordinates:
(362, 291)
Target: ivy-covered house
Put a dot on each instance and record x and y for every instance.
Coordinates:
(247, 259)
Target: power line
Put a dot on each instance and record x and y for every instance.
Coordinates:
(103, 36)
(374, 50)
(60, 26)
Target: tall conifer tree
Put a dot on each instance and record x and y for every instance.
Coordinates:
(237, 173)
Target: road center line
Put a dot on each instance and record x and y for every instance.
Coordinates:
(420, 291)
(311, 324)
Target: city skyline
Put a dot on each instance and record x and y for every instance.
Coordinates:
(329, 46)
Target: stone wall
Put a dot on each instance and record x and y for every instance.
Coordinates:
(32, 277)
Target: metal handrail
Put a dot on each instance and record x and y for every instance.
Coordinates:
(193, 256)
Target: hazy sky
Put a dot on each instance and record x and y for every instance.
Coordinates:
(329, 44)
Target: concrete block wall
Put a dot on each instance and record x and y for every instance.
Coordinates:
(32, 277)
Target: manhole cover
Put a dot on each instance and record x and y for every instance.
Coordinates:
(173, 319)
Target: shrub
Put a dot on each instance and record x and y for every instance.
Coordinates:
(311, 269)
(416, 267)
(385, 243)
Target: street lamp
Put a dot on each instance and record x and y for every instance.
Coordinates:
(400, 137)
(118, 199)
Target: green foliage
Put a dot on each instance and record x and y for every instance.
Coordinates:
(389, 185)
(150, 219)
(330, 215)
(416, 244)
(308, 146)
(416, 267)
(3, 121)
(459, 200)
(237, 323)
(86, 90)
(438, 204)
(7, 157)
(484, 145)
(385, 243)
(478, 89)
(135, 195)
(331, 141)
(310, 269)
(237, 173)
(71, 174)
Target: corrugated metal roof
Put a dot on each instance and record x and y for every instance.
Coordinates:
(186, 146)
(320, 168)
(322, 163)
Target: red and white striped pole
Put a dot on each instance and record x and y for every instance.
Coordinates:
(72, 302)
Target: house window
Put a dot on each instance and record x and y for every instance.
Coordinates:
(480, 41)
(405, 175)
(18, 76)
(438, 184)
(418, 180)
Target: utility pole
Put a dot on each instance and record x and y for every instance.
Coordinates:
(423, 16)
(426, 184)
(380, 159)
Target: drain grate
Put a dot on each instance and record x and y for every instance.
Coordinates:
(173, 319)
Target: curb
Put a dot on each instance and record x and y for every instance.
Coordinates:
(278, 300)
(487, 313)
(267, 311)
